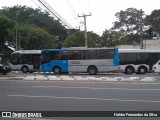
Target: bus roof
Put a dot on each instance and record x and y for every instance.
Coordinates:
(77, 48)
(138, 51)
(28, 52)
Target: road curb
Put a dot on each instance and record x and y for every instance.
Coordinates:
(81, 78)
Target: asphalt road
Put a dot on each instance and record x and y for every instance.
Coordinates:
(79, 96)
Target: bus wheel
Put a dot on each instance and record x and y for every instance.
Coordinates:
(4, 73)
(129, 70)
(57, 70)
(142, 70)
(92, 70)
(24, 69)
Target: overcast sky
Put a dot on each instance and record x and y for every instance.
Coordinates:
(103, 11)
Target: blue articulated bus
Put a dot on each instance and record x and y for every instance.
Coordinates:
(89, 60)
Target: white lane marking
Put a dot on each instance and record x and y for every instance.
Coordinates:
(95, 88)
(145, 83)
(79, 98)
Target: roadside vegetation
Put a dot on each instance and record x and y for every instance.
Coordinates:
(36, 29)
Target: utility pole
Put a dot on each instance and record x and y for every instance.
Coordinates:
(19, 46)
(16, 37)
(141, 40)
(85, 28)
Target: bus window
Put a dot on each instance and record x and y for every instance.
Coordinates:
(76, 55)
(102, 54)
(84, 54)
(56, 55)
(92, 54)
(15, 58)
(23, 59)
(46, 57)
(111, 53)
(131, 58)
(122, 58)
(141, 58)
(36, 61)
(30, 58)
(66, 55)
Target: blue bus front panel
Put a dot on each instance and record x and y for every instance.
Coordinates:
(116, 58)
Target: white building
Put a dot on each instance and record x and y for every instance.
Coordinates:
(153, 44)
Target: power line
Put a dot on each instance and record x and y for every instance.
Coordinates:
(36, 3)
(74, 13)
(72, 8)
(81, 6)
(88, 6)
(53, 12)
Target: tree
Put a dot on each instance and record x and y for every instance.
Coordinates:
(34, 37)
(128, 20)
(5, 25)
(111, 38)
(77, 40)
(94, 40)
(131, 39)
(153, 21)
(23, 14)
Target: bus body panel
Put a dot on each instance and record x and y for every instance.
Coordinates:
(48, 67)
(19, 66)
(79, 65)
(82, 65)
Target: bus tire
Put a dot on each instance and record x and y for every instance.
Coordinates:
(57, 70)
(4, 73)
(142, 70)
(92, 70)
(129, 70)
(24, 69)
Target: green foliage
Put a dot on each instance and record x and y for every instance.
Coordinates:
(38, 30)
(77, 40)
(128, 20)
(153, 20)
(74, 40)
(34, 37)
(5, 25)
(111, 38)
(131, 39)
(23, 14)
(30, 17)
(94, 40)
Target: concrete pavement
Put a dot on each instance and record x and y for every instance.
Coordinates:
(81, 78)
